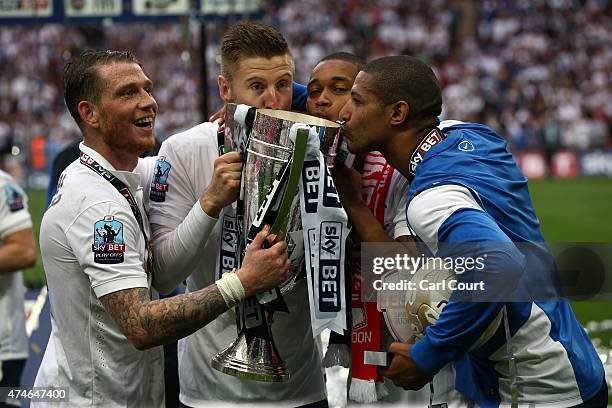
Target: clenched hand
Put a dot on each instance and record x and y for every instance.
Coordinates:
(263, 269)
(225, 185)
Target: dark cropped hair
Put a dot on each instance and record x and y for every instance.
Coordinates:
(82, 81)
(406, 78)
(250, 39)
(344, 56)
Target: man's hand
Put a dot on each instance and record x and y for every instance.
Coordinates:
(403, 371)
(348, 184)
(224, 187)
(264, 269)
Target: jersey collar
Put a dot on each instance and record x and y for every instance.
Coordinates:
(432, 138)
(132, 180)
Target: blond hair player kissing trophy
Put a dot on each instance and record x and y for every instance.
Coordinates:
(256, 69)
(106, 325)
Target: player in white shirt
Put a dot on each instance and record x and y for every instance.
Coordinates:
(257, 69)
(17, 251)
(107, 325)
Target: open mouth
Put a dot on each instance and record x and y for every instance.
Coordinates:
(145, 123)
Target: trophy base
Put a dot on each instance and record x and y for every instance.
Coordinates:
(256, 361)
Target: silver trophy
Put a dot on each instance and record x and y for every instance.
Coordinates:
(270, 174)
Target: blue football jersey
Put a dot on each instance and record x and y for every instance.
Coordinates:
(468, 190)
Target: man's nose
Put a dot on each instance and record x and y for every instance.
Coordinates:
(271, 99)
(322, 100)
(148, 102)
(345, 113)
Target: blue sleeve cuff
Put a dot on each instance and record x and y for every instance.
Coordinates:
(300, 94)
(428, 358)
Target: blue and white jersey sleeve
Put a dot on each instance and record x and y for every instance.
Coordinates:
(442, 217)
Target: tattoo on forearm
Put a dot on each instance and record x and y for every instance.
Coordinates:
(163, 321)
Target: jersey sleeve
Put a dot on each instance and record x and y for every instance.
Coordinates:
(14, 215)
(300, 94)
(395, 222)
(109, 246)
(179, 225)
(461, 228)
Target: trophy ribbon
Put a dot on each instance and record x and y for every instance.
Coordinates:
(325, 229)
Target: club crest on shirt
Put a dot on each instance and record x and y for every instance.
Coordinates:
(159, 182)
(466, 146)
(108, 246)
(14, 198)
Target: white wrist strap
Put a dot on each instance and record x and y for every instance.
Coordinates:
(231, 288)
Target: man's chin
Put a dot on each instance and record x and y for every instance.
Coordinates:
(148, 144)
(352, 148)
(144, 145)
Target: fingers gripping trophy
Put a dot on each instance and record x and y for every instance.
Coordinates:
(286, 184)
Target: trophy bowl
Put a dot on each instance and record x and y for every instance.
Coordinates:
(263, 136)
(269, 149)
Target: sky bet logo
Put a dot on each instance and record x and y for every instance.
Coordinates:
(159, 183)
(108, 246)
(329, 267)
(432, 139)
(330, 195)
(228, 244)
(310, 178)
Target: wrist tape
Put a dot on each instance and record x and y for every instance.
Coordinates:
(231, 288)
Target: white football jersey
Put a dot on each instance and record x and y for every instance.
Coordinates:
(14, 217)
(92, 246)
(183, 171)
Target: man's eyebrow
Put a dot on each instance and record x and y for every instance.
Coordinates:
(125, 87)
(254, 78)
(148, 83)
(340, 79)
(333, 79)
(312, 81)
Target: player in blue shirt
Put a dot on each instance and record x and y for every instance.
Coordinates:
(524, 345)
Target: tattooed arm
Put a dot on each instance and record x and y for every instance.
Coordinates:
(148, 323)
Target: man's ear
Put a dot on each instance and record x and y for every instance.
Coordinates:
(398, 113)
(88, 113)
(225, 91)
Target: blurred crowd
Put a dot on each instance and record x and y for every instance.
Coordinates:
(33, 58)
(538, 71)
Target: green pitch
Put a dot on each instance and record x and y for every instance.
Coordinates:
(570, 211)
(574, 210)
(577, 211)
